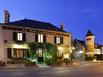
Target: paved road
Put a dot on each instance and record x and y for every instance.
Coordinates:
(86, 70)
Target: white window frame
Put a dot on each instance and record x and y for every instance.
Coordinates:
(20, 36)
(58, 40)
(40, 38)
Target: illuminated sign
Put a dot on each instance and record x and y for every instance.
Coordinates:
(97, 51)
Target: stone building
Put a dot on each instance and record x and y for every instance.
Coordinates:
(88, 49)
(79, 49)
(89, 42)
(15, 36)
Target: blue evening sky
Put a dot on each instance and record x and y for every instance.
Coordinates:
(79, 16)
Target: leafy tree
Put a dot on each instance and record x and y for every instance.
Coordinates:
(50, 51)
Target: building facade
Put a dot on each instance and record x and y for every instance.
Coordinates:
(88, 49)
(79, 49)
(15, 36)
(98, 51)
(89, 42)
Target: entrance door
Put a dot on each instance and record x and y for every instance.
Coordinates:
(40, 55)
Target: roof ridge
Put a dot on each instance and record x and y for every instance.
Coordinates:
(35, 24)
(89, 33)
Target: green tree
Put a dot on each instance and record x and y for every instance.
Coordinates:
(50, 51)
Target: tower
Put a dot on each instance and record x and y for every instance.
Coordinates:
(6, 16)
(89, 43)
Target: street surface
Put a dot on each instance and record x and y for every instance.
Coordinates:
(85, 70)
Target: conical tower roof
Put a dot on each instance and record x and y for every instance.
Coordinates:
(89, 33)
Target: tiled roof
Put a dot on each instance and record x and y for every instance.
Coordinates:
(82, 42)
(79, 41)
(98, 45)
(89, 33)
(35, 24)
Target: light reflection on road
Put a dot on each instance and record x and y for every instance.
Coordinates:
(86, 70)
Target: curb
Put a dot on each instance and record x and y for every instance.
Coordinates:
(75, 64)
(18, 68)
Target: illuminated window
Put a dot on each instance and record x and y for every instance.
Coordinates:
(58, 40)
(19, 53)
(19, 36)
(40, 38)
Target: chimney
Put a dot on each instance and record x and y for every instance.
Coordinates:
(62, 26)
(6, 16)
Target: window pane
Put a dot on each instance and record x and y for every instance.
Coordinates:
(58, 40)
(19, 36)
(39, 38)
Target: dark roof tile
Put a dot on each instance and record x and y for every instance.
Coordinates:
(35, 24)
(89, 33)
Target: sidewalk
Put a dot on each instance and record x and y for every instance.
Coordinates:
(18, 66)
(71, 64)
(22, 66)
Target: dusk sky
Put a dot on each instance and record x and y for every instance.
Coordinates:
(79, 16)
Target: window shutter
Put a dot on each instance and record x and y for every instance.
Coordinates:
(44, 38)
(36, 37)
(61, 40)
(9, 53)
(24, 37)
(14, 36)
(55, 39)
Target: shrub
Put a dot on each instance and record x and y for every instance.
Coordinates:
(49, 50)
